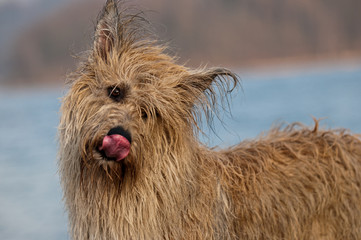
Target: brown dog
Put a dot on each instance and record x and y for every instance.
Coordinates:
(132, 167)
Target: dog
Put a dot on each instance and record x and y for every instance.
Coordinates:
(132, 167)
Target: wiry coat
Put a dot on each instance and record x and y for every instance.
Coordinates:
(294, 183)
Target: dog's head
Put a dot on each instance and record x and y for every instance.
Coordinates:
(129, 102)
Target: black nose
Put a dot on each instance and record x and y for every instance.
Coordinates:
(120, 131)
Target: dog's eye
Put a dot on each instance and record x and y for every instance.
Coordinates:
(115, 93)
(144, 114)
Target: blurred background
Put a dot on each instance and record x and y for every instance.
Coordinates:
(296, 59)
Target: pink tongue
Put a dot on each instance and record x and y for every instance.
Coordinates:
(115, 146)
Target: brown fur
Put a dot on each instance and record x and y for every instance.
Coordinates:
(293, 183)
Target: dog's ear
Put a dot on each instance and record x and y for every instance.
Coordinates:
(106, 29)
(203, 86)
(198, 82)
(202, 80)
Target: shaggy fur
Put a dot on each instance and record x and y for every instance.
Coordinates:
(293, 183)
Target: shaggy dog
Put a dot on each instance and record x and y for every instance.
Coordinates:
(132, 167)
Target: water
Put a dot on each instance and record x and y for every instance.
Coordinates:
(30, 195)
(329, 93)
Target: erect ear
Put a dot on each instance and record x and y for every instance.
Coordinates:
(106, 29)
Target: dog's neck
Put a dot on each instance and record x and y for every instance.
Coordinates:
(105, 205)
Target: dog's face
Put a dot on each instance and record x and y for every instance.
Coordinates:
(130, 102)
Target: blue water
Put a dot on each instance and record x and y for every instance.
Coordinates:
(30, 195)
(332, 94)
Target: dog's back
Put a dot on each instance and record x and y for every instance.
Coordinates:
(294, 184)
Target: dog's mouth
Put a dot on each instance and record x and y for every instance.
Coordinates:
(115, 146)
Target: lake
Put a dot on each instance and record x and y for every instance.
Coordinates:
(30, 196)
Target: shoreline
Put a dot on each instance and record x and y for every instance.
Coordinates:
(275, 67)
(347, 61)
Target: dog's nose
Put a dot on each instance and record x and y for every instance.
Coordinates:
(119, 130)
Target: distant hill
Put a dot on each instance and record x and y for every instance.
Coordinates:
(42, 48)
(219, 32)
